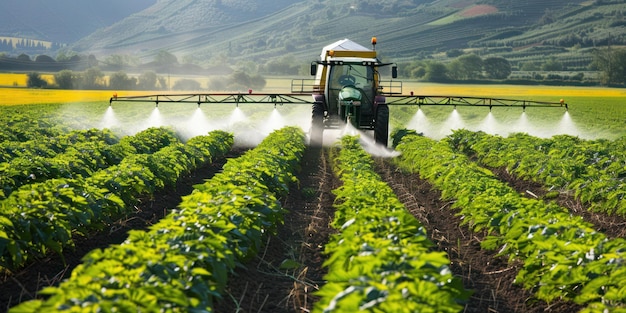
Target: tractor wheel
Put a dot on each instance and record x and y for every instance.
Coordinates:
(381, 127)
(317, 125)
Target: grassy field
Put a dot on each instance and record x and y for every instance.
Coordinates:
(593, 112)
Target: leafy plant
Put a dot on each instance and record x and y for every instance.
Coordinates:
(43, 217)
(381, 261)
(563, 256)
(181, 264)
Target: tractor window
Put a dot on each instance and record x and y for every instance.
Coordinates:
(351, 74)
(356, 75)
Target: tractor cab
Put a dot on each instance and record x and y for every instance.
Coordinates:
(350, 92)
(348, 88)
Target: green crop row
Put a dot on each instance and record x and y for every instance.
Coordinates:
(563, 256)
(381, 260)
(19, 125)
(79, 150)
(40, 217)
(49, 145)
(181, 264)
(593, 170)
(77, 153)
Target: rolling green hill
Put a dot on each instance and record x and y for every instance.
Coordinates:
(236, 30)
(217, 31)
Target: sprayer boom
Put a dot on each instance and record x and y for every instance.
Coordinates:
(220, 98)
(455, 101)
(305, 98)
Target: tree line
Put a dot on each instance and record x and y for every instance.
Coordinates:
(94, 79)
(610, 63)
(86, 72)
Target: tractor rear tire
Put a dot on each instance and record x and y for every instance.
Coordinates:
(381, 126)
(317, 125)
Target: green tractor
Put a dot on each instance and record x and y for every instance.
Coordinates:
(348, 90)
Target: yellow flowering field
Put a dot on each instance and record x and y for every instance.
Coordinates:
(18, 96)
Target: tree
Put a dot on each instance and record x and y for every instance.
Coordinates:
(530, 66)
(455, 70)
(93, 78)
(163, 83)
(121, 81)
(471, 65)
(35, 81)
(242, 80)
(497, 67)
(436, 72)
(147, 81)
(118, 61)
(64, 79)
(23, 58)
(612, 64)
(552, 65)
(65, 56)
(282, 66)
(42, 58)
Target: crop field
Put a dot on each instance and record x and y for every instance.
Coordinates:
(136, 207)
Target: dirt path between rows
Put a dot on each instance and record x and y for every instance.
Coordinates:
(285, 276)
(612, 225)
(491, 278)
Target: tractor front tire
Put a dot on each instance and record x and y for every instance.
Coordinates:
(381, 126)
(317, 125)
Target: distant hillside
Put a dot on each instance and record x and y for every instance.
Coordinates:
(218, 31)
(63, 21)
(248, 30)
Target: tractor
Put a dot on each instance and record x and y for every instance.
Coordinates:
(348, 90)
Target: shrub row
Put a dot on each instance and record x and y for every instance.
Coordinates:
(563, 256)
(49, 144)
(41, 217)
(382, 259)
(181, 264)
(74, 154)
(19, 126)
(593, 170)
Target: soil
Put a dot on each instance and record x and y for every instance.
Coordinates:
(286, 274)
(263, 286)
(491, 278)
(613, 226)
(477, 10)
